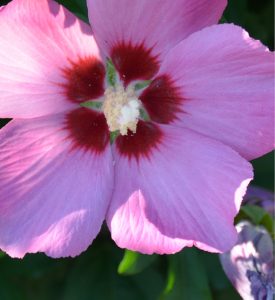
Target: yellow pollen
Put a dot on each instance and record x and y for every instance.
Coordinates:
(121, 109)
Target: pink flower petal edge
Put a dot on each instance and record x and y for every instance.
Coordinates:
(225, 81)
(187, 192)
(157, 25)
(53, 198)
(39, 39)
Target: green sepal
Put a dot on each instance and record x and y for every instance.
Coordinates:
(111, 73)
(142, 84)
(92, 104)
(113, 136)
(144, 115)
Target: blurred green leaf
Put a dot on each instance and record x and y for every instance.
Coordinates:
(258, 216)
(95, 276)
(236, 10)
(150, 282)
(253, 212)
(35, 277)
(133, 262)
(4, 122)
(264, 171)
(187, 277)
(268, 222)
(255, 16)
(4, 2)
(92, 275)
(8, 290)
(220, 285)
(78, 7)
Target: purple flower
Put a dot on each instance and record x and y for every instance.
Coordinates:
(249, 264)
(261, 197)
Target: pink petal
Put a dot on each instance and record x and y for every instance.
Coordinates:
(54, 196)
(40, 41)
(225, 83)
(146, 30)
(186, 191)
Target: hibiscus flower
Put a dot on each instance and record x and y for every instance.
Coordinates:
(159, 150)
(249, 264)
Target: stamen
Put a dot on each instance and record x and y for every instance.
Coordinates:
(121, 108)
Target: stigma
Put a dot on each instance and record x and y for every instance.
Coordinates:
(121, 108)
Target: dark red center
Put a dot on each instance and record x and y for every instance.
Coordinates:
(84, 80)
(162, 100)
(88, 130)
(134, 62)
(141, 144)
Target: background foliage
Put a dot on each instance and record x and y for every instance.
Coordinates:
(107, 272)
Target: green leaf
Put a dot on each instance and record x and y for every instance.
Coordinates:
(4, 122)
(133, 262)
(34, 277)
(268, 223)
(92, 275)
(253, 212)
(77, 7)
(264, 171)
(8, 292)
(223, 20)
(258, 216)
(150, 282)
(221, 287)
(95, 276)
(187, 278)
